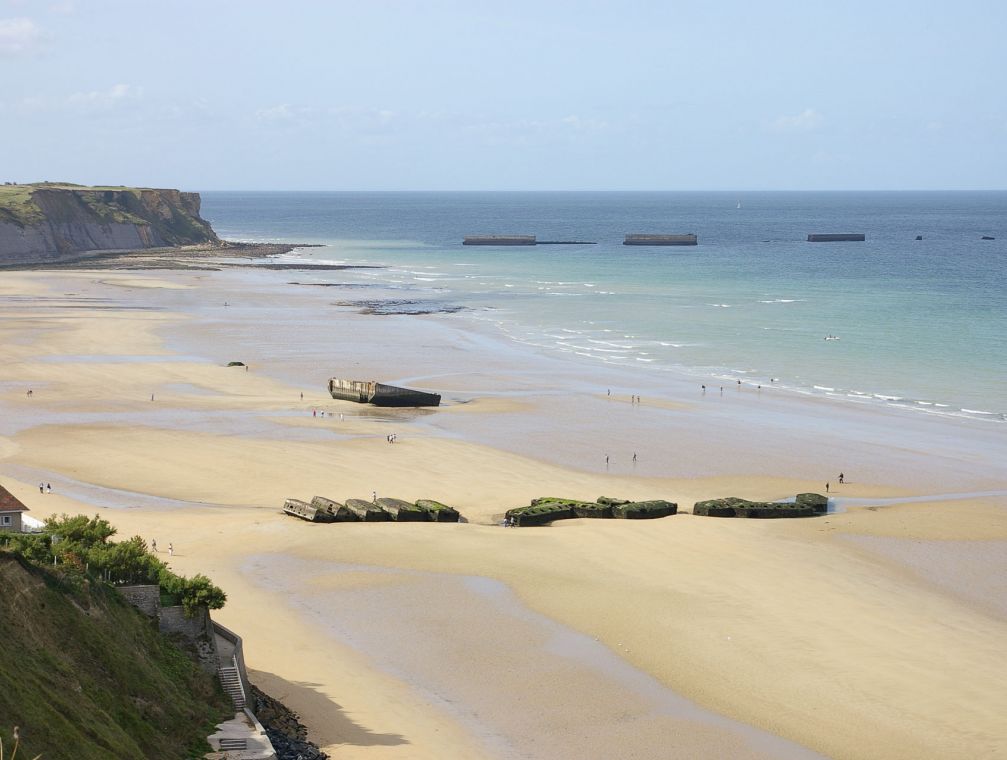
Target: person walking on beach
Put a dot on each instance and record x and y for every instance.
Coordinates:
(314, 412)
(704, 389)
(302, 395)
(153, 545)
(826, 488)
(171, 550)
(606, 460)
(151, 396)
(841, 476)
(48, 488)
(41, 487)
(374, 495)
(634, 457)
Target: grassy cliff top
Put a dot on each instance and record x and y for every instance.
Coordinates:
(17, 202)
(172, 216)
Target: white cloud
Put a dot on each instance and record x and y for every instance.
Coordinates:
(63, 8)
(101, 100)
(806, 121)
(282, 112)
(19, 36)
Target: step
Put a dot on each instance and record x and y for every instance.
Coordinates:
(233, 744)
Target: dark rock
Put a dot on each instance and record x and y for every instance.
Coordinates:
(286, 733)
(987, 237)
(235, 364)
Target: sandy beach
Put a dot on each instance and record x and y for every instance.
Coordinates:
(877, 630)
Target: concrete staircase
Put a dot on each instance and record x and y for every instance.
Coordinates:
(231, 682)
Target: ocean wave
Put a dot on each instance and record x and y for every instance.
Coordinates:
(784, 300)
(721, 305)
(822, 388)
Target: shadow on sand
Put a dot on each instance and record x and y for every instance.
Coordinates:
(327, 723)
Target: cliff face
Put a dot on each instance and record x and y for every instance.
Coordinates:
(44, 222)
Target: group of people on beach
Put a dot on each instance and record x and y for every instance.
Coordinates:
(44, 488)
(842, 479)
(153, 547)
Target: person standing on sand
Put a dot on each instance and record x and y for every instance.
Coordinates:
(41, 487)
(48, 488)
(171, 550)
(374, 495)
(634, 457)
(153, 545)
(841, 476)
(606, 460)
(826, 488)
(302, 395)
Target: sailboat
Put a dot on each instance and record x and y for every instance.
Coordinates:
(739, 204)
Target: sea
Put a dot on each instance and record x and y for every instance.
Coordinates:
(919, 324)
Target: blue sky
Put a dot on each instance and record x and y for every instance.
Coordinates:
(444, 95)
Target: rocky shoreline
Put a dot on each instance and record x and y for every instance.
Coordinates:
(286, 733)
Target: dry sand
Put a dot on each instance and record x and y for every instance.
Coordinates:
(878, 632)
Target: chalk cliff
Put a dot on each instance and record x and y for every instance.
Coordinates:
(51, 222)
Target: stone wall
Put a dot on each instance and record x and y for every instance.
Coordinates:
(147, 599)
(173, 620)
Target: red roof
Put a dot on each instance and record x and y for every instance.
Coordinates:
(8, 503)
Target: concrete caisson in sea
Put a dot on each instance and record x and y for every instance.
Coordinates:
(379, 394)
(837, 237)
(641, 239)
(499, 240)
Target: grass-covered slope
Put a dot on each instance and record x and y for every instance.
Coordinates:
(87, 677)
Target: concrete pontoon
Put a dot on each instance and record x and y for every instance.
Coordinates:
(499, 240)
(379, 394)
(298, 508)
(639, 239)
(339, 512)
(367, 511)
(837, 237)
(403, 511)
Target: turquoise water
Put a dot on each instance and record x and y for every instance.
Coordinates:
(920, 324)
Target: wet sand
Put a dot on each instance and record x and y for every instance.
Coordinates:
(839, 634)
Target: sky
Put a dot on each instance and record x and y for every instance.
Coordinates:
(474, 95)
